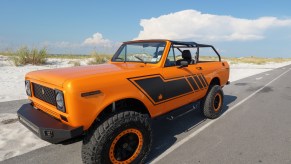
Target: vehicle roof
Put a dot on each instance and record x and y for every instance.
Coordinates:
(192, 44)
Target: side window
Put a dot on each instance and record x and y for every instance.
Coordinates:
(193, 54)
(207, 54)
(178, 54)
(175, 55)
(186, 53)
(121, 57)
(171, 59)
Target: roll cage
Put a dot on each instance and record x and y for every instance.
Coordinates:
(180, 44)
(174, 44)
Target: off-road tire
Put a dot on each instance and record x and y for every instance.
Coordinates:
(209, 106)
(97, 144)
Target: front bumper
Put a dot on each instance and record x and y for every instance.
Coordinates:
(45, 126)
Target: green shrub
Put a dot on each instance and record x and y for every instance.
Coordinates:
(68, 56)
(26, 56)
(7, 52)
(255, 60)
(98, 59)
(75, 63)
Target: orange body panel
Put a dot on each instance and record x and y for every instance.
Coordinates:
(120, 80)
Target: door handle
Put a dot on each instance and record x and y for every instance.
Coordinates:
(199, 68)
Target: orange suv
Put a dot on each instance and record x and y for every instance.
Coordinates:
(111, 104)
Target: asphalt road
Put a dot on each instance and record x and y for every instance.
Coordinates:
(254, 128)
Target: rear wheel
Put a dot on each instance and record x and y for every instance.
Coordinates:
(212, 104)
(123, 138)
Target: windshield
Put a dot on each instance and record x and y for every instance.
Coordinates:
(146, 52)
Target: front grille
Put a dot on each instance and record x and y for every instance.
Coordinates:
(44, 93)
(46, 110)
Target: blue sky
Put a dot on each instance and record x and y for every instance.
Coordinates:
(246, 28)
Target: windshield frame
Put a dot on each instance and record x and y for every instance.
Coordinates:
(117, 53)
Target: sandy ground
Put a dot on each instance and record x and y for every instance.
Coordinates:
(242, 70)
(15, 139)
(12, 78)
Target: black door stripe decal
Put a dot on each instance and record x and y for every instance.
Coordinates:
(198, 82)
(159, 90)
(202, 81)
(194, 85)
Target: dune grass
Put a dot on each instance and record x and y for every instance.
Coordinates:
(255, 60)
(99, 58)
(69, 56)
(7, 53)
(250, 59)
(75, 63)
(24, 56)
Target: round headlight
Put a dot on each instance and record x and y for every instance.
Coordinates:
(60, 100)
(27, 88)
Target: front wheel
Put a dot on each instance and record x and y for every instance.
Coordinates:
(123, 138)
(212, 104)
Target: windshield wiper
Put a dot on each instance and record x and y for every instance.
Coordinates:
(121, 59)
(140, 59)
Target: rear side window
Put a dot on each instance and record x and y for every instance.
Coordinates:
(207, 54)
(192, 53)
(175, 56)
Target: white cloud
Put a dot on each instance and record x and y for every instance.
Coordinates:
(97, 40)
(194, 25)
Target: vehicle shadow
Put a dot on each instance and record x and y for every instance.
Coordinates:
(167, 127)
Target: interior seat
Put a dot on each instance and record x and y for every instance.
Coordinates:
(186, 55)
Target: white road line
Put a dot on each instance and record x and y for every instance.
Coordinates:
(193, 134)
(259, 78)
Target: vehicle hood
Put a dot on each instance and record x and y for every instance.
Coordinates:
(60, 75)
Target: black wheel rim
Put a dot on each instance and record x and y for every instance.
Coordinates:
(126, 146)
(217, 102)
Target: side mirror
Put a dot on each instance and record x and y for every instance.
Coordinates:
(184, 64)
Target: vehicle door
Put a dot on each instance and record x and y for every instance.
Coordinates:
(182, 85)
